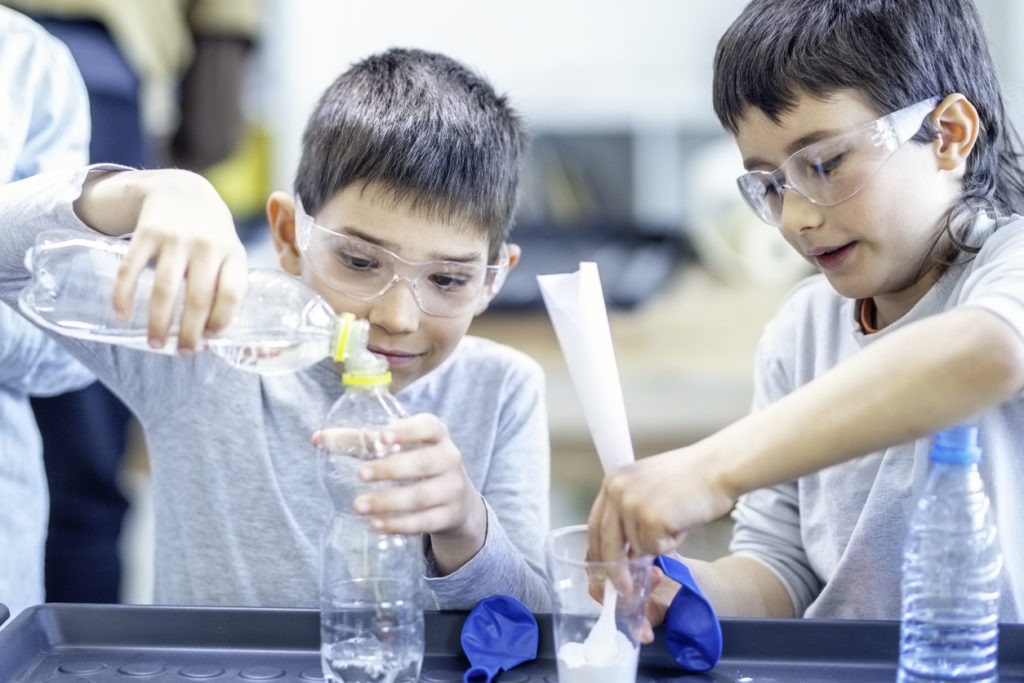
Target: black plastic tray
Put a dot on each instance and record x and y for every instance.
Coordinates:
(102, 643)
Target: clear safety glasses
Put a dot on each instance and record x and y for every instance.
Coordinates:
(363, 270)
(834, 169)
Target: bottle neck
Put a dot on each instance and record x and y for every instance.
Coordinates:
(965, 476)
(341, 336)
(359, 382)
(350, 344)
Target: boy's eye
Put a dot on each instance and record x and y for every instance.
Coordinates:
(814, 170)
(827, 167)
(774, 188)
(450, 282)
(355, 260)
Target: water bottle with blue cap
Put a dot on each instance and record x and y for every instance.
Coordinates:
(951, 565)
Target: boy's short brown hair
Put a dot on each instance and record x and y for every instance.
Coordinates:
(425, 127)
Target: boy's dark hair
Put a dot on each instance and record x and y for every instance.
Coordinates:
(892, 52)
(423, 126)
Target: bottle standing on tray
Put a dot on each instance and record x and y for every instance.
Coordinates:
(282, 325)
(371, 611)
(951, 565)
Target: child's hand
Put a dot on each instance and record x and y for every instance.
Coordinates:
(636, 512)
(663, 590)
(435, 497)
(180, 224)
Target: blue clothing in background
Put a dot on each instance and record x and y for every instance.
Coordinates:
(87, 504)
(44, 125)
(29, 363)
(45, 112)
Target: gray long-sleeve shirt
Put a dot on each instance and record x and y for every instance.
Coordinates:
(238, 506)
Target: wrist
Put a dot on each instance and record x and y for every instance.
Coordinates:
(112, 200)
(455, 547)
(725, 466)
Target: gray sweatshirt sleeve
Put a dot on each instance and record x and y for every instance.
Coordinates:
(501, 429)
(46, 202)
(26, 208)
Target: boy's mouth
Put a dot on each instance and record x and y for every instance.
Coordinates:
(828, 258)
(394, 357)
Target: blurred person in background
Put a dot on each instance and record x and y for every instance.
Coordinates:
(45, 127)
(164, 79)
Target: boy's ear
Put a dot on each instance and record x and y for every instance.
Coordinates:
(514, 252)
(958, 124)
(281, 216)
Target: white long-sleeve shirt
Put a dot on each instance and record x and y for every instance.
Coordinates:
(835, 538)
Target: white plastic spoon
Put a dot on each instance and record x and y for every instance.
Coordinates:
(601, 646)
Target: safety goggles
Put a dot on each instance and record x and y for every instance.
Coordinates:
(832, 170)
(363, 270)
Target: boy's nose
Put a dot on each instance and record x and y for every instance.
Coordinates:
(396, 310)
(798, 213)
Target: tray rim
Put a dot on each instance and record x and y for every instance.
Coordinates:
(53, 628)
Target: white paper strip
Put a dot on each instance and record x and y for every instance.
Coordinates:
(575, 304)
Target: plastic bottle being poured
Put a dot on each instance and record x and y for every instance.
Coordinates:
(281, 326)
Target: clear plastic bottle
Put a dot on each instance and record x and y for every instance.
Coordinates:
(951, 565)
(282, 325)
(371, 605)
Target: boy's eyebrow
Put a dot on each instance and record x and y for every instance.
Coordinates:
(391, 246)
(809, 139)
(792, 148)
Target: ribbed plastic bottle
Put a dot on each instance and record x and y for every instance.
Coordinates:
(949, 629)
(371, 605)
(282, 324)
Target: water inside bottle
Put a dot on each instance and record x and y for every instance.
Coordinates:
(372, 643)
(281, 325)
(264, 352)
(967, 653)
(268, 356)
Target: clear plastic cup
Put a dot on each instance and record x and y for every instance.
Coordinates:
(589, 651)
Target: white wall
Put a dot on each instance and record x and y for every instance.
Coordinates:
(571, 64)
(1004, 24)
(641, 65)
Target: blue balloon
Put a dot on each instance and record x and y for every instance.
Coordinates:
(692, 631)
(499, 633)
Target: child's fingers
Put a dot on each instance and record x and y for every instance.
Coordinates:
(216, 284)
(412, 446)
(412, 497)
(421, 462)
(646, 632)
(138, 256)
(606, 542)
(168, 280)
(231, 284)
(200, 290)
(663, 591)
(342, 439)
(420, 428)
(420, 522)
